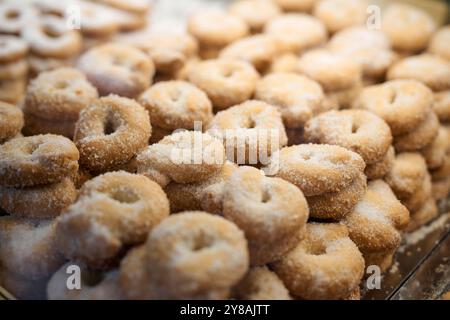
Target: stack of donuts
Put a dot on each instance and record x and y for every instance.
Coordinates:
(56, 32)
(274, 151)
(13, 69)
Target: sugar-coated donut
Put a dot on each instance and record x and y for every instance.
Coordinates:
(316, 169)
(117, 68)
(408, 28)
(272, 213)
(258, 50)
(255, 13)
(15, 17)
(381, 168)
(436, 152)
(176, 104)
(441, 105)
(440, 188)
(205, 195)
(381, 259)
(370, 47)
(326, 256)
(420, 196)
(37, 160)
(41, 201)
(403, 104)
(423, 215)
(110, 131)
(227, 82)
(337, 205)
(407, 174)
(261, 284)
(183, 157)
(432, 70)
(440, 43)
(50, 36)
(340, 14)
(358, 130)
(95, 285)
(11, 121)
(297, 97)
(420, 137)
(27, 247)
(113, 211)
(59, 94)
(333, 71)
(297, 32)
(250, 132)
(214, 29)
(375, 223)
(98, 21)
(190, 255)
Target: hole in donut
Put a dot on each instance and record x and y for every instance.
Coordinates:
(31, 148)
(175, 95)
(228, 73)
(201, 242)
(251, 124)
(125, 196)
(316, 250)
(354, 128)
(265, 197)
(51, 33)
(13, 14)
(306, 157)
(109, 126)
(118, 61)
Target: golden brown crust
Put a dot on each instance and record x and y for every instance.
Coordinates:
(380, 169)
(316, 169)
(441, 105)
(190, 255)
(118, 69)
(357, 130)
(436, 152)
(420, 196)
(271, 212)
(420, 137)
(37, 160)
(113, 211)
(440, 42)
(337, 205)
(314, 269)
(42, 201)
(110, 132)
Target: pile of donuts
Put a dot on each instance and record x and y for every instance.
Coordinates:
(41, 35)
(274, 151)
